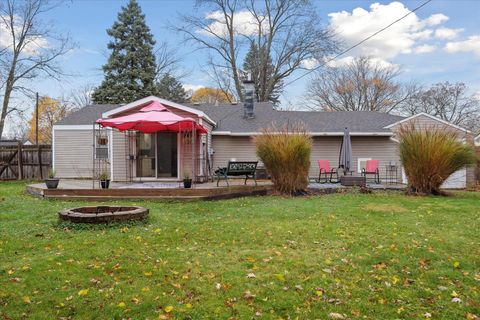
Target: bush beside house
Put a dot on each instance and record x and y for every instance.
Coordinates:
(285, 152)
(431, 155)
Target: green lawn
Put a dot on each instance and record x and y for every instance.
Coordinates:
(377, 256)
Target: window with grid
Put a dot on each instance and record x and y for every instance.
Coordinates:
(101, 144)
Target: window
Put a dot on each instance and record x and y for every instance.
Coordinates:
(101, 144)
(361, 163)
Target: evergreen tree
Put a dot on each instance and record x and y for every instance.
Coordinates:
(260, 66)
(171, 89)
(130, 70)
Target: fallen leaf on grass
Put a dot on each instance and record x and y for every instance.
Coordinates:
(334, 315)
(251, 275)
(168, 309)
(83, 292)
(26, 299)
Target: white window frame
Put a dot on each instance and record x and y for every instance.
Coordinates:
(107, 146)
(359, 169)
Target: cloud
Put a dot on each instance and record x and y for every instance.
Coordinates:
(243, 23)
(436, 19)
(34, 44)
(310, 63)
(472, 44)
(192, 87)
(447, 33)
(348, 60)
(401, 38)
(424, 48)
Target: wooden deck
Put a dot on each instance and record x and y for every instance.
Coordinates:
(83, 190)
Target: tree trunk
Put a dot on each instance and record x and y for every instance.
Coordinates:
(6, 100)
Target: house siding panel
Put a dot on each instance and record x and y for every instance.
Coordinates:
(119, 156)
(380, 148)
(73, 162)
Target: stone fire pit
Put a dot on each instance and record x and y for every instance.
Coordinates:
(103, 214)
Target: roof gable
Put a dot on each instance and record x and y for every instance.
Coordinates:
(135, 104)
(426, 115)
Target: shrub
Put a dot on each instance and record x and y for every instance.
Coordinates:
(285, 152)
(430, 155)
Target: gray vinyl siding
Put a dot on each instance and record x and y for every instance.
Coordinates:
(119, 156)
(376, 148)
(328, 148)
(227, 147)
(73, 153)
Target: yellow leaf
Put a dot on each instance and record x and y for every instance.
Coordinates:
(395, 279)
(168, 309)
(319, 293)
(456, 264)
(454, 294)
(189, 305)
(145, 289)
(157, 230)
(121, 304)
(83, 292)
(147, 273)
(26, 299)
(280, 276)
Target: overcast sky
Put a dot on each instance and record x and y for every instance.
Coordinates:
(440, 42)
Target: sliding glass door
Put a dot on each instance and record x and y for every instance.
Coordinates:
(157, 155)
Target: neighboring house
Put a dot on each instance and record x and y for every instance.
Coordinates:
(229, 137)
(477, 141)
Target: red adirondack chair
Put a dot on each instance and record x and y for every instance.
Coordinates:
(371, 167)
(325, 169)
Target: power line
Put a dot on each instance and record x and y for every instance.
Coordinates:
(359, 43)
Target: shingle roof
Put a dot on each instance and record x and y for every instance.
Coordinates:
(230, 118)
(87, 115)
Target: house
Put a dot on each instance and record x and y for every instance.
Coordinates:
(167, 156)
(477, 141)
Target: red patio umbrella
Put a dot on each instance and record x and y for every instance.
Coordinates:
(154, 117)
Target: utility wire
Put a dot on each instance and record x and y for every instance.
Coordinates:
(358, 43)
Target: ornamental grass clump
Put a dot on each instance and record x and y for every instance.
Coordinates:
(430, 155)
(285, 152)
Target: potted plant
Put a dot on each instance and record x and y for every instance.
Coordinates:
(104, 179)
(187, 181)
(51, 181)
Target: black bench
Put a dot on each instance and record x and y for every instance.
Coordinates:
(237, 168)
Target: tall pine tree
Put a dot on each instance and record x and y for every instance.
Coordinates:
(130, 70)
(259, 64)
(171, 89)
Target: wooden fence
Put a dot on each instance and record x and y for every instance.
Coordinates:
(18, 162)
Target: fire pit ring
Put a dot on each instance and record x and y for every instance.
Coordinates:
(103, 214)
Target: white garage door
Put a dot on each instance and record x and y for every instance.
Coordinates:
(458, 180)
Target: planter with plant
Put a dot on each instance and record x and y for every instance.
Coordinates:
(51, 181)
(104, 180)
(187, 181)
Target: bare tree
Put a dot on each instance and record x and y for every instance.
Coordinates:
(168, 62)
(448, 101)
(32, 49)
(361, 85)
(80, 97)
(288, 33)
